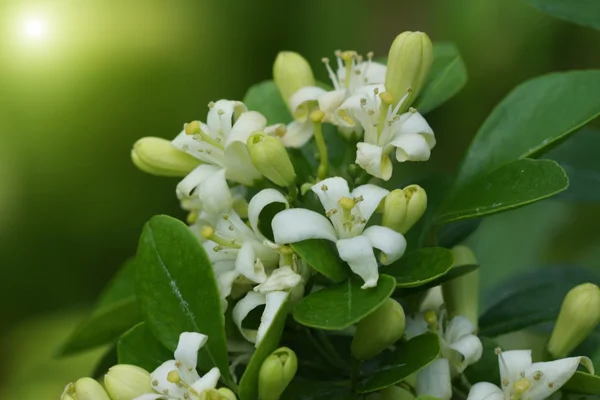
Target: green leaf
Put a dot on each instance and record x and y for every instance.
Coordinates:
(486, 369)
(531, 298)
(301, 389)
(583, 383)
(453, 273)
(122, 286)
(105, 363)
(408, 358)
(321, 255)
(265, 98)
(248, 389)
(447, 77)
(177, 291)
(534, 116)
(341, 305)
(578, 156)
(581, 12)
(449, 235)
(417, 267)
(511, 186)
(139, 347)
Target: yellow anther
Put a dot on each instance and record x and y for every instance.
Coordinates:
(324, 187)
(551, 385)
(431, 318)
(386, 98)
(207, 232)
(370, 55)
(347, 203)
(521, 386)
(174, 377)
(338, 53)
(193, 128)
(505, 382)
(317, 116)
(280, 131)
(325, 60)
(412, 110)
(220, 112)
(211, 104)
(497, 350)
(537, 375)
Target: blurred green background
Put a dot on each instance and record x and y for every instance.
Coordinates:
(81, 81)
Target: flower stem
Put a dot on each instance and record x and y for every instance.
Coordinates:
(317, 117)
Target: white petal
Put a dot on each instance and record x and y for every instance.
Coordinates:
(273, 303)
(434, 380)
(208, 381)
(375, 73)
(350, 113)
(372, 196)
(390, 242)
(243, 308)
(433, 300)
(194, 178)
(330, 101)
(415, 326)
(470, 349)
(162, 385)
(414, 123)
(299, 102)
(330, 191)
(187, 348)
(225, 255)
(411, 147)
(512, 363)
(188, 143)
(259, 202)
(248, 265)
(214, 193)
(556, 372)
(248, 122)
(222, 114)
(485, 391)
(225, 282)
(358, 253)
(298, 133)
(370, 157)
(283, 278)
(239, 165)
(458, 328)
(297, 224)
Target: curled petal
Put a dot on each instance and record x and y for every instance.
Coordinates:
(274, 301)
(470, 349)
(297, 224)
(300, 101)
(485, 391)
(370, 157)
(358, 253)
(243, 308)
(414, 123)
(283, 278)
(249, 265)
(214, 193)
(458, 328)
(162, 385)
(187, 348)
(186, 187)
(330, 191)
(298, 133)
(208, 381)
(225, 282)
(411, 147)
(239, 165)
(248, 122)
(330, 101)
(259, 202)
(371, 197)
(434, 380)
(554, 374)
(390, 242)
(222, 115)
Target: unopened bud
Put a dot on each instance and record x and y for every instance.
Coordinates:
(461, 295)
(158, 156)
(84, 389)
(394, 210)
(409, 61)
(291, 72)
(378, 330)
(276, 373)
(269, 156)
(126, 382)
(217, 394)
(416, 204)
(579, 315)
(226, 394)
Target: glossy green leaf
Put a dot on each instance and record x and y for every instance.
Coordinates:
(107, 361)
(531, 298)
(177, 290)
(453, 273)
(341, 305)
(301, 389)
(322, 256)
(454, 233)
(581, 12)
(534, 116)
(406, 359)
(583, 383)
(486, 369)
(248, 389)
(417, 267)
(511, 186)
(139, 347)
(121, 286)
(447, 77)
(265, 98)
(578, 156)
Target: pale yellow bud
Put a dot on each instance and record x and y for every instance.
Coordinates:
(276, 373)
(158, 156)
(270, 157)
(394, 210)
(461, 295)
(126, 382)
(579, 315)
(378, 330)
(416, 204)
(291, 72)
(226, 394)
(85, 389)
(409, 62)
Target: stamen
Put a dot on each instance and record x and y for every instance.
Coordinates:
(210, 234)
(324, 187)
(332, 75)
(537, 375)
(348, 57)
(211, 104)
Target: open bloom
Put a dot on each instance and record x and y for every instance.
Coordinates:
(384, 130)
(178, 379)
(523, 379)
(348, 214)
(221, 146)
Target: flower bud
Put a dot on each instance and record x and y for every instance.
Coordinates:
(579, 315)
(461, 295)
(394, 210)
(291, 72)
(378, 330)
(126, 382)
(226, 394)
(409, 61)
(416, 204)
(269, 156)
(84, 389)
(158, 156)
(276, 373)
(217, 394)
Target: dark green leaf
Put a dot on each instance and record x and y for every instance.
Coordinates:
(449, 235)
(341, 305)
(531, 298)
(408, 358)
(322, 256)
(486, 369)
(265, 98)
(301, 389)
(534, 116)
(121, 286)
(177, 291)
(417, 267)
(108, 360)
(453, 273)
(248, 389)
(583, 383)
(581, 12)
(579, 158)
(447, 77)
(139, 347)
(511, 186)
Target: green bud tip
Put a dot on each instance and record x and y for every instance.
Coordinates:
(394, 210)
(276, 373)
(85, 389)
(416, 204)
(461, 295)
(579, 315)
(158, 156)
(125, 382)
(291, 72)
(270, 157)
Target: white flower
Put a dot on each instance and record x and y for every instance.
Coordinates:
(221, 145)
(352, 73)
(523, 379)
(385, 131)
(348, 214)
(178, 379)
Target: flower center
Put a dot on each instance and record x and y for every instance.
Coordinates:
(194, 128)
(520, 387)
(350, 64)
(209, 233)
